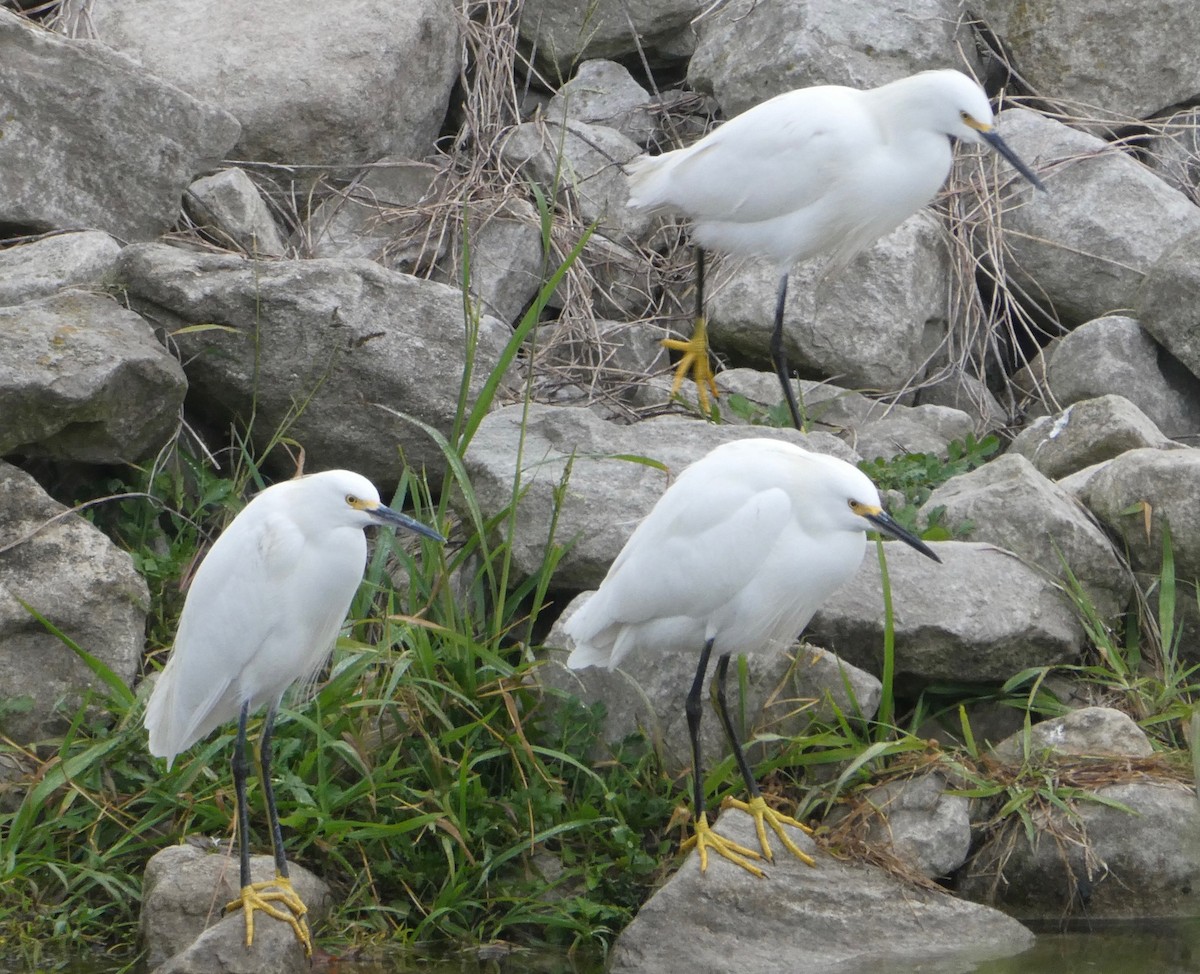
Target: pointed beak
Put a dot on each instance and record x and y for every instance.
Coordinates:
(884, 523)
(386, 516)
(992, 138)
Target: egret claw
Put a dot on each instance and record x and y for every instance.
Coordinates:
(705, 838)
(764, 815)
(696, 362)
(264, 897)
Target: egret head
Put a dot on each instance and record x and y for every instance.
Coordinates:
(966, 114)
(345, 497)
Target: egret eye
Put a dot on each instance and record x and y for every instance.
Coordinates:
(352, 500)
(965, 116)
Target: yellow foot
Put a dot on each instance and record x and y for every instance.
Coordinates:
(695, 360)
(705, 838)
(276, 898)
(764, 815)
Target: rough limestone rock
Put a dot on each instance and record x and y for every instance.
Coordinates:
(1168, 481)
(1173, 151)
(563, 32)
(51, 264)
(585, 161)
(899, 285)
(749, 51)
(316, 348)
(117, 159)
(1168, 299)
(1142, 860)
(870, 427)
(82, 378)
(617, 473)
(65, 569)
(1104, 223)
(1115, 354)
(919, 823)
(833, 917)
(1089, 731)
(228, 206)
(183, 926)
(307, 88)
(944, 630)
(604, 93)
(1064, 50)
(788, 686)
(1009, 504)
(1087, 433)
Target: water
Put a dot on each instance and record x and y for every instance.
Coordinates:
(1101, 947)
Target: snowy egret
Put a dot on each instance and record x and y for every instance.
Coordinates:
(790, 528)
(822, 170)
(263, 611)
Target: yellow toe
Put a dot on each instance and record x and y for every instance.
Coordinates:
(278, 899)
(705, 839)
(763, 816)
(695, 361)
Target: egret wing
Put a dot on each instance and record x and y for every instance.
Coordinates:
(778, 157)
(229, 615)
(685, 561)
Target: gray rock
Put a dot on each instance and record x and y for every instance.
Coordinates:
(1009, 504)
(870, 427)
(1115, 354)
(1062, 51)
(960, 390)
(70, 573)
(1087, 433)
(787, 687)
(1089, 731)
(228, 206)
(1106, 220)
(308, 88)
(507, 265)
(563, 32)
(616, 475)
(834, 916)
(183, 929)
(582, 161)
(117, 160)
(915, 820)
(750, 51)
(43, 267)
(1168, 482)
(377, 217)
(979, 617)
(1168, 299)
(1109, 863)
(871, 326)
(604, 93)
(317, 348)
(82, 378)
(1173, 151)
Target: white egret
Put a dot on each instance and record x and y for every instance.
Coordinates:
(789, 526)
(822, 170)
(263, 611)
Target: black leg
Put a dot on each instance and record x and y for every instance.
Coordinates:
(699, 283)
(723, 712)
(264, 763)
(693, 720)
(240, 770)
(779, 356)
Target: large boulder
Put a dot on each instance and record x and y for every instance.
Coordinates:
(90, 140)
(307, 87)
(61, 567)
(324, 351)
(83, 378)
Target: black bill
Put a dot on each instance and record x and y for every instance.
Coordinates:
(992, 137)
(886, 524)
(386, 516)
